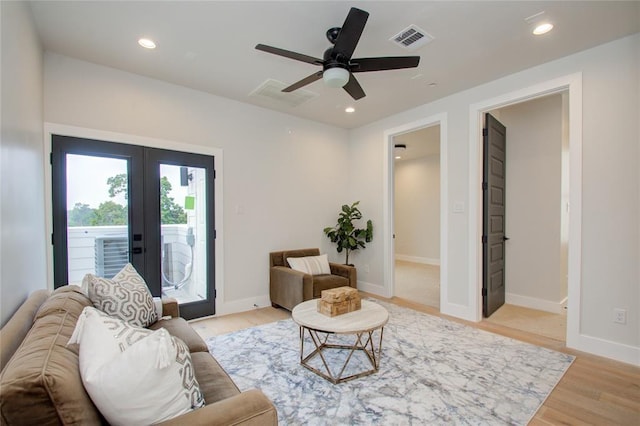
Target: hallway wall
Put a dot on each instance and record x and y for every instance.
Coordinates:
(417, 210)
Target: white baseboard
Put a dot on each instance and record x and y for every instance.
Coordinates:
(535, 303)
(418, 259)
(606, 348)
(242, 305)
(458, 311)
(376, 289)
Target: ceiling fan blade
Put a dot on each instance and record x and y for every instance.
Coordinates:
(384, 63)
(308, 80)
(353, 88)
(289, 54)
(350, 32)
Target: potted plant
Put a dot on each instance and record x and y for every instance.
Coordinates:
(345, 234)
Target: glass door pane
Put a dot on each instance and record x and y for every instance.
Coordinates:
(97, 208)
(97, 216)
(183, 231)
(180, 229)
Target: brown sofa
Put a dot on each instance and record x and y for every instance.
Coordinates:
(40, 380)
(288, 287)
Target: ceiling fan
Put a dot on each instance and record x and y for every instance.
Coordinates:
(337, 65)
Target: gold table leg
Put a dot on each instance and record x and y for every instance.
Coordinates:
(320, 344)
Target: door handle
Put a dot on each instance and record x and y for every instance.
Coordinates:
(505, 238)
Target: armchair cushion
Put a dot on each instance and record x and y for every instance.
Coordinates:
(314, 265)
(326, 282)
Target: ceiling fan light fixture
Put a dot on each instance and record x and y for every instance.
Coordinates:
(335, 77)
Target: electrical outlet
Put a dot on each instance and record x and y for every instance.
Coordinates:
(620, 316)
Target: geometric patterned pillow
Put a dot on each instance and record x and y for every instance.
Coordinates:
(125, 296)
(123, 333)
(134, 375)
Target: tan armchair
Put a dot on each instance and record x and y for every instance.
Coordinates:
(289, 287)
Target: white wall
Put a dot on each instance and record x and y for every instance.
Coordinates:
(284, 177)
(610, 196)
(533, 271)
(417, 209)
(22, 252)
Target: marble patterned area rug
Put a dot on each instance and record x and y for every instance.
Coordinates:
(432, 371)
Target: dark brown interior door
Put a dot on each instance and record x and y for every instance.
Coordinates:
(493, 224)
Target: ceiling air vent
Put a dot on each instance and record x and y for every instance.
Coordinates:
(411, 38)
(272, 90)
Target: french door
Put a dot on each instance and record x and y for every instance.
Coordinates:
(115, 203)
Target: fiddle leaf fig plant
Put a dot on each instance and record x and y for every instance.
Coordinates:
(345, 234)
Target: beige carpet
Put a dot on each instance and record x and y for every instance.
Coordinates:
(542, 323)
(418, 283)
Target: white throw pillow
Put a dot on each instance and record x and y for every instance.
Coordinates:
(134, 376)
(314, 265)
(125, 296)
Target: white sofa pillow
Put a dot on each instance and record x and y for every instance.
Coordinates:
(314, 265)
(125, 296)
(134, 376)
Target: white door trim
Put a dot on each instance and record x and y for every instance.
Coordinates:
(572, 83)
(388, 205)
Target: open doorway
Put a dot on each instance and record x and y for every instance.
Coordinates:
(536, 219)
(417, 215)
(388, 229)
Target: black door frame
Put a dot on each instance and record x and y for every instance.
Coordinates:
(153, 158)
(144, 228)
(62, 145)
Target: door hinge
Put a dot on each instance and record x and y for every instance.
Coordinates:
(215, 293)
(52, 243)
(51, 158)
(484, 239)
(485, 132)
(484, 291)
(485, 186)
(215, 234)
(214, 174)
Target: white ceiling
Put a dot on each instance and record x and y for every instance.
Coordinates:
(419, 143)
(209, 45)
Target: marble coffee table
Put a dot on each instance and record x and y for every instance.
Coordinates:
(366, 325)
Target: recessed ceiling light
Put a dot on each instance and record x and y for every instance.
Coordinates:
(542, 28)
(349, 109)
(398, 157)
(147, 43)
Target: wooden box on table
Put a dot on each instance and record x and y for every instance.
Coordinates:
(338, 301)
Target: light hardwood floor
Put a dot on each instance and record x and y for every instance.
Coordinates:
(594, 391)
